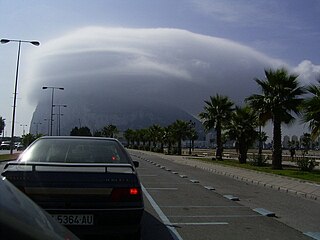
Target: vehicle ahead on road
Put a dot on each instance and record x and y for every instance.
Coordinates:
(5, 145)
(88, 184)
(21, 218)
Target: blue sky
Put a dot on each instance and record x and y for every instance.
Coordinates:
(287, 30)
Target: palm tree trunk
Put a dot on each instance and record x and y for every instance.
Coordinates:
(243, 150)
(179, 147)
(277, 147)
(219, 144)
(260, 142)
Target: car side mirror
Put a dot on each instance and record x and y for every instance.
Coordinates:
(136, 163)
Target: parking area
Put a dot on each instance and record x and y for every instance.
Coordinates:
(186, 202)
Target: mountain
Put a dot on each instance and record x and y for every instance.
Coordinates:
(97, 112)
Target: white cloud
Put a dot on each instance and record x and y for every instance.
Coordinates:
(112, 67)
(163, 57)
(308, 72)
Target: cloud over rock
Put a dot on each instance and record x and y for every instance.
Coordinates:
(108, 71)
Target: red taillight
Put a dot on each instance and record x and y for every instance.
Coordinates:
(134, 191)
(125, 194)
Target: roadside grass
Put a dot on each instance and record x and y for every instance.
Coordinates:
(287, 171)
(4, 157)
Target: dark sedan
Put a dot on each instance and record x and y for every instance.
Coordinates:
(88, 184)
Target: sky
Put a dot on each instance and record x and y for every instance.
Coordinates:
(241, 35)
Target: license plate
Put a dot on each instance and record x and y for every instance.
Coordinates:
(74, 219)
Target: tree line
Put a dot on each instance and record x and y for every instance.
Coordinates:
(109, 130)
(281, 100)
(155, 137)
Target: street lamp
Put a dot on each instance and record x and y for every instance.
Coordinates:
(58, 117)
(3, 41)
(23, 125)
(53, 88)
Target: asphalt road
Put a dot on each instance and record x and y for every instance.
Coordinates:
(178, 208)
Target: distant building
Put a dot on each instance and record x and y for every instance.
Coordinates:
(285, 142)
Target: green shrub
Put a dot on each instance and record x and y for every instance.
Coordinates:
(259, 160)
(306, 164)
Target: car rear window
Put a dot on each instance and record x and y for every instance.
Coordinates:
(75, 151)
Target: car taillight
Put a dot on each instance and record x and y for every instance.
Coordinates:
(126, 194)
(134, 191)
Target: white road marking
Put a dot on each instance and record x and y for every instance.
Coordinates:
(162, 188)
(204, 223)
(174, 233)
(314, 235)
(214, 216)
(150, 175)
(190, 206)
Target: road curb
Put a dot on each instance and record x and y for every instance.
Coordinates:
(224, 172)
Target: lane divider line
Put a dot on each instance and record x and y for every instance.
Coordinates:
(174, 233)
(204, 223)
(314, 235)
(162, 189)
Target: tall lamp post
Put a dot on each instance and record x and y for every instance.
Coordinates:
(3, 41)
(23, 125)
(58, 116)
(52, 95)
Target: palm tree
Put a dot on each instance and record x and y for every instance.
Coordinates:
(129, 136)
(109, 131)
(263, 115)
(156, 134)
(241, 128)
(180, 131)
(280, 98)
(168, 137)
(311, 110)
(216, 113)
(83, 131)
(142, 135)
(306, 142)
(193, 135)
